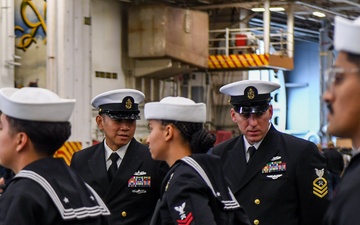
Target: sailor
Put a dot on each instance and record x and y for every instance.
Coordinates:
(342, 99)
(34, 124)
(276, 177)
(129, 183)
(194, 191)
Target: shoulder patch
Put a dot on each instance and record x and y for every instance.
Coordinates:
(185, 216)
(320, 187)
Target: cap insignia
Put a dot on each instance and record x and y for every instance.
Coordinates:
(250, 93)
(128, 103)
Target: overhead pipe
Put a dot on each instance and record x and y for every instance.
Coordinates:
(327, 11)
(347, 2)
(247, 5)
(266, 18)
(326, 61)
(290, 31)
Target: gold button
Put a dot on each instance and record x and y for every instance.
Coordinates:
(123, 214)
(256, 222)
(257, 201)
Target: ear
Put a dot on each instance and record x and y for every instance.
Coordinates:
(99, 121)
(271, 111)
(169, 132)
(21, 140)
(233, 115)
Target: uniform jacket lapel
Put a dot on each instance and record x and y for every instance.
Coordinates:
(234, 169)
(263, 155)
(129, 165)
(98, 167)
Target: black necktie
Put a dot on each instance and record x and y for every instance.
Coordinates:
(113, 167)
(251, 151)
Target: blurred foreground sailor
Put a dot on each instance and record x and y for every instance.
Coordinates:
(276, 177)
(33, 125)
(342, 99)
(194, 190)
(121, 169)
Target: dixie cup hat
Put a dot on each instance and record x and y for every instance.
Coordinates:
(345, 33)
(176, 109)
(35, 104)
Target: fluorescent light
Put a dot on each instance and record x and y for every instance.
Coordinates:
(319, 14)
(273, 9)
(277, 9)
(258, 9)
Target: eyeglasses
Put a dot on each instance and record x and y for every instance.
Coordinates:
(335, 75)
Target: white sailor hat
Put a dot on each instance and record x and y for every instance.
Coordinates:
(176, 109)
(346, 33)
(35, 104)
(119, 104)
(250, 96)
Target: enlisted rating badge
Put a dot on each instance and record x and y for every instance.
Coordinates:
(184, 219)
(320, 187)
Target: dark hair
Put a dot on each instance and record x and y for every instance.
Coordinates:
(354, 58)
(47, 137)
(200, 140)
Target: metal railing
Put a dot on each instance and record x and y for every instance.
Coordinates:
(246, 40)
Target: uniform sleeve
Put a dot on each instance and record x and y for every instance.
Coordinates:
(19, 209)
(312, 186)
(73, 161)
(188, 201)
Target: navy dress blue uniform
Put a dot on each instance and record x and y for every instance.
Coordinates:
(283, 183)
(133, 191)
(194, 190)
(65, 200)
(45, 190)
(128, 202)
(187, 199)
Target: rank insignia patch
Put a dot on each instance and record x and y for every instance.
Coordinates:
(320, 187)
(184, 219)
(189, 218)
